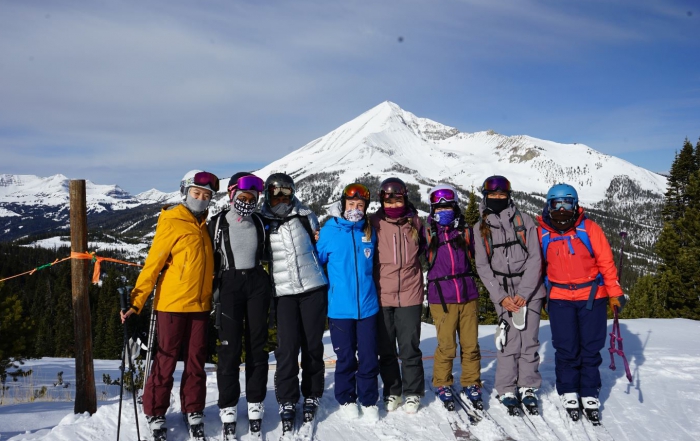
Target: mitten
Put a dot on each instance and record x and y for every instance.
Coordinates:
(618, 302)
(501, 336)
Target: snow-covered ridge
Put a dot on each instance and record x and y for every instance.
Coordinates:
(387, 140)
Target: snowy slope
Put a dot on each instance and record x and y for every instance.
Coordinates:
(387, 140)
(660, 404)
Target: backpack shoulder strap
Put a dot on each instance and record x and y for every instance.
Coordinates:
(520, 229)
(262, 239)
(545, 239)
(583, 235)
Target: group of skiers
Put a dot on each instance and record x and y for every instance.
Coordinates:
(364, 274)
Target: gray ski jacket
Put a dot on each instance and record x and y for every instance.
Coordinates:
(511, 259)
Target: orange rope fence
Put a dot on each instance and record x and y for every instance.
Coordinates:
(97, 260)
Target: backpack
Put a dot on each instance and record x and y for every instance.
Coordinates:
(581, 234)
(520, 235)
(219, 234)
(520, 239)
(466, 235)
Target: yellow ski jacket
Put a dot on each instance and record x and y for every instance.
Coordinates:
(183, 252)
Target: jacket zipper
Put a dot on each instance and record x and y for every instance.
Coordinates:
(398, 294)
(357, 275)
(395, 263)
(452, 259)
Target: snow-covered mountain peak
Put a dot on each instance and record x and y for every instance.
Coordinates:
(389, 141)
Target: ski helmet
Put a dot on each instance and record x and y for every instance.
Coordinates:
(443, 195)
(496, 183)
(565, 195)
(245, 181)
(355, 191)
(200, 179)
(393, 186)
(279, 181)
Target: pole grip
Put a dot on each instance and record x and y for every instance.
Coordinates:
(124, 297)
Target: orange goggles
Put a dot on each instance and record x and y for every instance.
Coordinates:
(356, 191)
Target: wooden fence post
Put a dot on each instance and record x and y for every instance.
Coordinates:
(85, 395)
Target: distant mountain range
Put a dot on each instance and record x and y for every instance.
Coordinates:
(384, 141)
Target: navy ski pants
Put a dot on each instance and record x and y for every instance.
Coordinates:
(578, 336)
(356, 376)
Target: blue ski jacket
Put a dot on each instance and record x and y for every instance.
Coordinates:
(348, 256)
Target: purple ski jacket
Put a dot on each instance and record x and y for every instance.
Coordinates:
(450, 261)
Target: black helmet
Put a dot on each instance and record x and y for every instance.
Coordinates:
(393, 186)
(279, 180)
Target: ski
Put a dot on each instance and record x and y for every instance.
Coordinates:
(288, 430)
(575, 428)
(229, 432)
(306, 431)
(480, 414)
(468, 408)
(456, 427)
(539, 426)
(196, 432)
(595, 429)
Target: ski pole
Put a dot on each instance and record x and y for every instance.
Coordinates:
(615, 336)
(126, 352)
(151, 334)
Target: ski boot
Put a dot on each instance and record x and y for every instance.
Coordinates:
(511, 402)
(156, 424)
(228, 419)
(529, 400)
(255, 416)
(412, 404)
(392, 402)
(195, 424)
(571, 405)
(309, 408)
(473, 392)
(287, 414)
(591, 407)
(445, 395)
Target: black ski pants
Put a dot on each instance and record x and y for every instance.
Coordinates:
(301, 320)
(402, 325)
(245, 302)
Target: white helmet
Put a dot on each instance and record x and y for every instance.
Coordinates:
(189, 181)
(443, 193)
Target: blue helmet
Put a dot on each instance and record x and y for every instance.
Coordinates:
(560, 191)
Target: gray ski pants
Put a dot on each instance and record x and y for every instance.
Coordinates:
(518, 364)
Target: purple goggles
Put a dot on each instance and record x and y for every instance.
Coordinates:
(442, 195)
(248, 182)
(496, 183)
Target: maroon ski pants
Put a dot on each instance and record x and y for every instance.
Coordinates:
(178, 333)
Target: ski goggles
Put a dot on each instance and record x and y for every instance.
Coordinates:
(203, 179)
(496, 183)
(248, 182)
(356, 191)
(394, 196)
(442, 195)
(562, 204)
(280, 191)
(394, 188)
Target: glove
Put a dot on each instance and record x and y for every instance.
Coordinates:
(618, 302)
(501, 336)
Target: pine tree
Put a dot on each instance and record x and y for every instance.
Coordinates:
(684, 165)
(471, 214)
(16, 331)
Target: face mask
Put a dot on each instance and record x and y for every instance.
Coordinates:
(395, 212)
(196, 206)
(496, 205)
(243, 208)
(353, 215)
(444, 218)
(563, 220)
(281, 209)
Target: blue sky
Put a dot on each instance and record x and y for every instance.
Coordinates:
(137, 93)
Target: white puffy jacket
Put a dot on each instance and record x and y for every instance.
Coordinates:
(295, 266)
